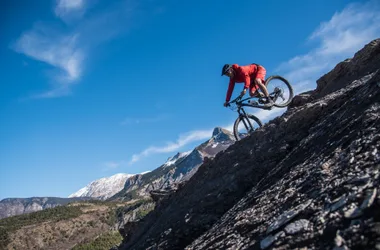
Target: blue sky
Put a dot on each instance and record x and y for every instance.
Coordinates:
(94, 88)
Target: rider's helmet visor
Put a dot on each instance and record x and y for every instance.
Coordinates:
(228, 72)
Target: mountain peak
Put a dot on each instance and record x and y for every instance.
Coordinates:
(173, 159)
(221, 134)
(103, 188)
(218, 130)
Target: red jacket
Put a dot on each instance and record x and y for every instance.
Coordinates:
(244, 74)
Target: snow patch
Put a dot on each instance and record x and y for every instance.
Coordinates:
(172, 160)
(104, 187)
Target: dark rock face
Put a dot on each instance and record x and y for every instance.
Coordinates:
(16, 206)
(301, 99)
(128, 216)
(309, 178)
(364, 62)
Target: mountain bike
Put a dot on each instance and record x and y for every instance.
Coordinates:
(280, 91)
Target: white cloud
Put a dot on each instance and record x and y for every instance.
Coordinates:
(58, 50)
(337, 39)
(183, 140)
(67, 8)
(66, 50)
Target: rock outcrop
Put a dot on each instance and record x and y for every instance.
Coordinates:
(365, 62)
(308, 178)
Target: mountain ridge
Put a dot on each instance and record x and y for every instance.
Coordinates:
(16, 206)
(103, 188)
(168, 176)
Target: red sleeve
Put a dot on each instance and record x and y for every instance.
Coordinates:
(230, 89)
(247, 81)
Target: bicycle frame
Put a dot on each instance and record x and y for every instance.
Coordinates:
(242, 113)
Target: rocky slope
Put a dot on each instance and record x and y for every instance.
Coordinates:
(16, 206)
(178, 168)
(307, 179)
(104, 187)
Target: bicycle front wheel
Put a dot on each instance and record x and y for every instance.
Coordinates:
(245, 125)
(280, 90)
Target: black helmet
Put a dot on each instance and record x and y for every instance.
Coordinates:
(226, 67)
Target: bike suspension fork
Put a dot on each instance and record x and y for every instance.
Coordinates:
(244, 115)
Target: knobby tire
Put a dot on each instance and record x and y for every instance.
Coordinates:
(240, 119)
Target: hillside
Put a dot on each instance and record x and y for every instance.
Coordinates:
(63, 227)
(308, 178)
(17, 206)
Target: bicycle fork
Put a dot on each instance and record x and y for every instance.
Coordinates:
(244, 115)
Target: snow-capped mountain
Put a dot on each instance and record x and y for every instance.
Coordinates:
(172, 160)
(177, 168)
(104, 187)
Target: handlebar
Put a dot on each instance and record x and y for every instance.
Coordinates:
(233, 101)
(238, 100)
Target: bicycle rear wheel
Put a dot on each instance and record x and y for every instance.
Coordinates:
(280, 90)
(242, 127)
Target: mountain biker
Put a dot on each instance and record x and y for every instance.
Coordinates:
(253, 77)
